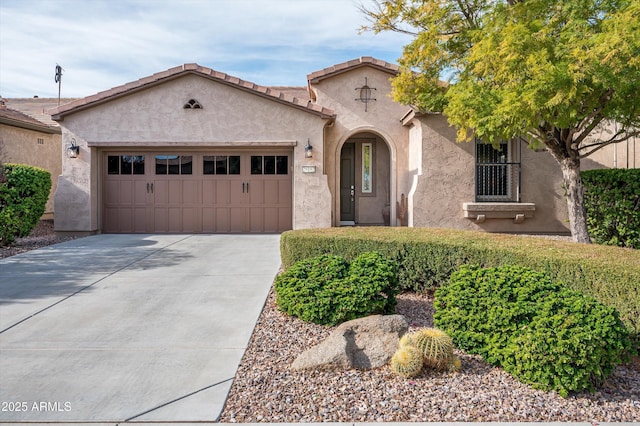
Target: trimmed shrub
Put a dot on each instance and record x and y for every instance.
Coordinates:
(481, 307)
(327, 290)
(428, 256)
(23, 197)
(542, 333)
(612, 201)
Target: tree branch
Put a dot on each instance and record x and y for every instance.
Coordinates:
(466, 14)
(591, 117)
(623, 134)
(373, 16)
(586, 132)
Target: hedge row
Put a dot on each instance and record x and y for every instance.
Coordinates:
(427, 257)
(23, 197)
(612, 201)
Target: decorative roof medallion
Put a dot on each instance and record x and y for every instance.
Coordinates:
(365, 94)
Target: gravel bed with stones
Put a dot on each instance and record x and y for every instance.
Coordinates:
(41, 235)
(265, 389)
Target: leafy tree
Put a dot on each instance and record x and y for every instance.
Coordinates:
(552, 72)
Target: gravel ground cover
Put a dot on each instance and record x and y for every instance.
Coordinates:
(266, 390)
(41, 236)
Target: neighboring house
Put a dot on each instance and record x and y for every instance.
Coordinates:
(195, 150)
(26, 140)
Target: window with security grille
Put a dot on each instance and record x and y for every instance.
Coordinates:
(497, 171)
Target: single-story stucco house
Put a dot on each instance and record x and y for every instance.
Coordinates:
(27, 140)
(194, 150)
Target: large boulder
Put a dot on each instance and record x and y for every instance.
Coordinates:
(363, 343)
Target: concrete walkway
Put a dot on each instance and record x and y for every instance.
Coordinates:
(129, 328)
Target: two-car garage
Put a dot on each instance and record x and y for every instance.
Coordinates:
(193, 150)
(192, 191)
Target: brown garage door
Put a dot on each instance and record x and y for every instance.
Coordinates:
(197, 192)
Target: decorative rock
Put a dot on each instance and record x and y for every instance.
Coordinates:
(363, 344)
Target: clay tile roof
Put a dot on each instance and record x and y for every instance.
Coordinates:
(281, 96)
(334, 70)
(16, 118)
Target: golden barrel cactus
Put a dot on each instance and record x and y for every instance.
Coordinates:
(436, 347)
(407, 361)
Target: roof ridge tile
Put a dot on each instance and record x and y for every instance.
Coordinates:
(58, 113)
(336, 69)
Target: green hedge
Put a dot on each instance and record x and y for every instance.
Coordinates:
(328, 290)
(23, 197)
(544, 334)
(612, 201)
(427, 257)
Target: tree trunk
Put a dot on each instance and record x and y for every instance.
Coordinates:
(575, 200)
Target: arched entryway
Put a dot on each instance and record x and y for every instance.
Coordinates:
(364, 181)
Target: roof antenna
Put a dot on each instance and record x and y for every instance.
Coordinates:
(58, 79)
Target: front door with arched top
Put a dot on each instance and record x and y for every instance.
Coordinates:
(365, 176)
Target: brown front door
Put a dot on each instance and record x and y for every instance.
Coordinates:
(213, 192)
(347, 184)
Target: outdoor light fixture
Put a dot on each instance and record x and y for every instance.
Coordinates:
(73, 150)
(308, 150)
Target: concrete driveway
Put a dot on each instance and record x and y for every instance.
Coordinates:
(115, 328)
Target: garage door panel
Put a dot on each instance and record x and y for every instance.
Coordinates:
(284, 219)
(175, 191)
(208, 220)
(256, 192)
(208, 192)
(125, 219)
(124, 192)
(189, 220)
(112, 193)
(220, 198)
(175, 219)
(160, 192)
(236, 191)
(222, 220)
(271, 219)
(140, 219)
(256, 219)
(222, 195)
(161, 219)
(237, 219)
(284, 192)
(127, 193)
(270, 192)
(110, 220)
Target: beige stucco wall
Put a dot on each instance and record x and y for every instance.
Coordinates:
(155, 117)
(18, 145)
(622, 155)
(382, 119)
(447, 181)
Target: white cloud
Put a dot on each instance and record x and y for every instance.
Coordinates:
(101, 43)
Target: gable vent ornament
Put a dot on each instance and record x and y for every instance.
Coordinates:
(192, 104)
(365, 94)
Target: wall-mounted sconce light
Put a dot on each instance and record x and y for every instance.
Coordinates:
(73, 150)
(308, 150)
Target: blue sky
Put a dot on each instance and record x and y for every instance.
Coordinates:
(102, 44)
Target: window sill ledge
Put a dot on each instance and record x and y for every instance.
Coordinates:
(479, 212)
